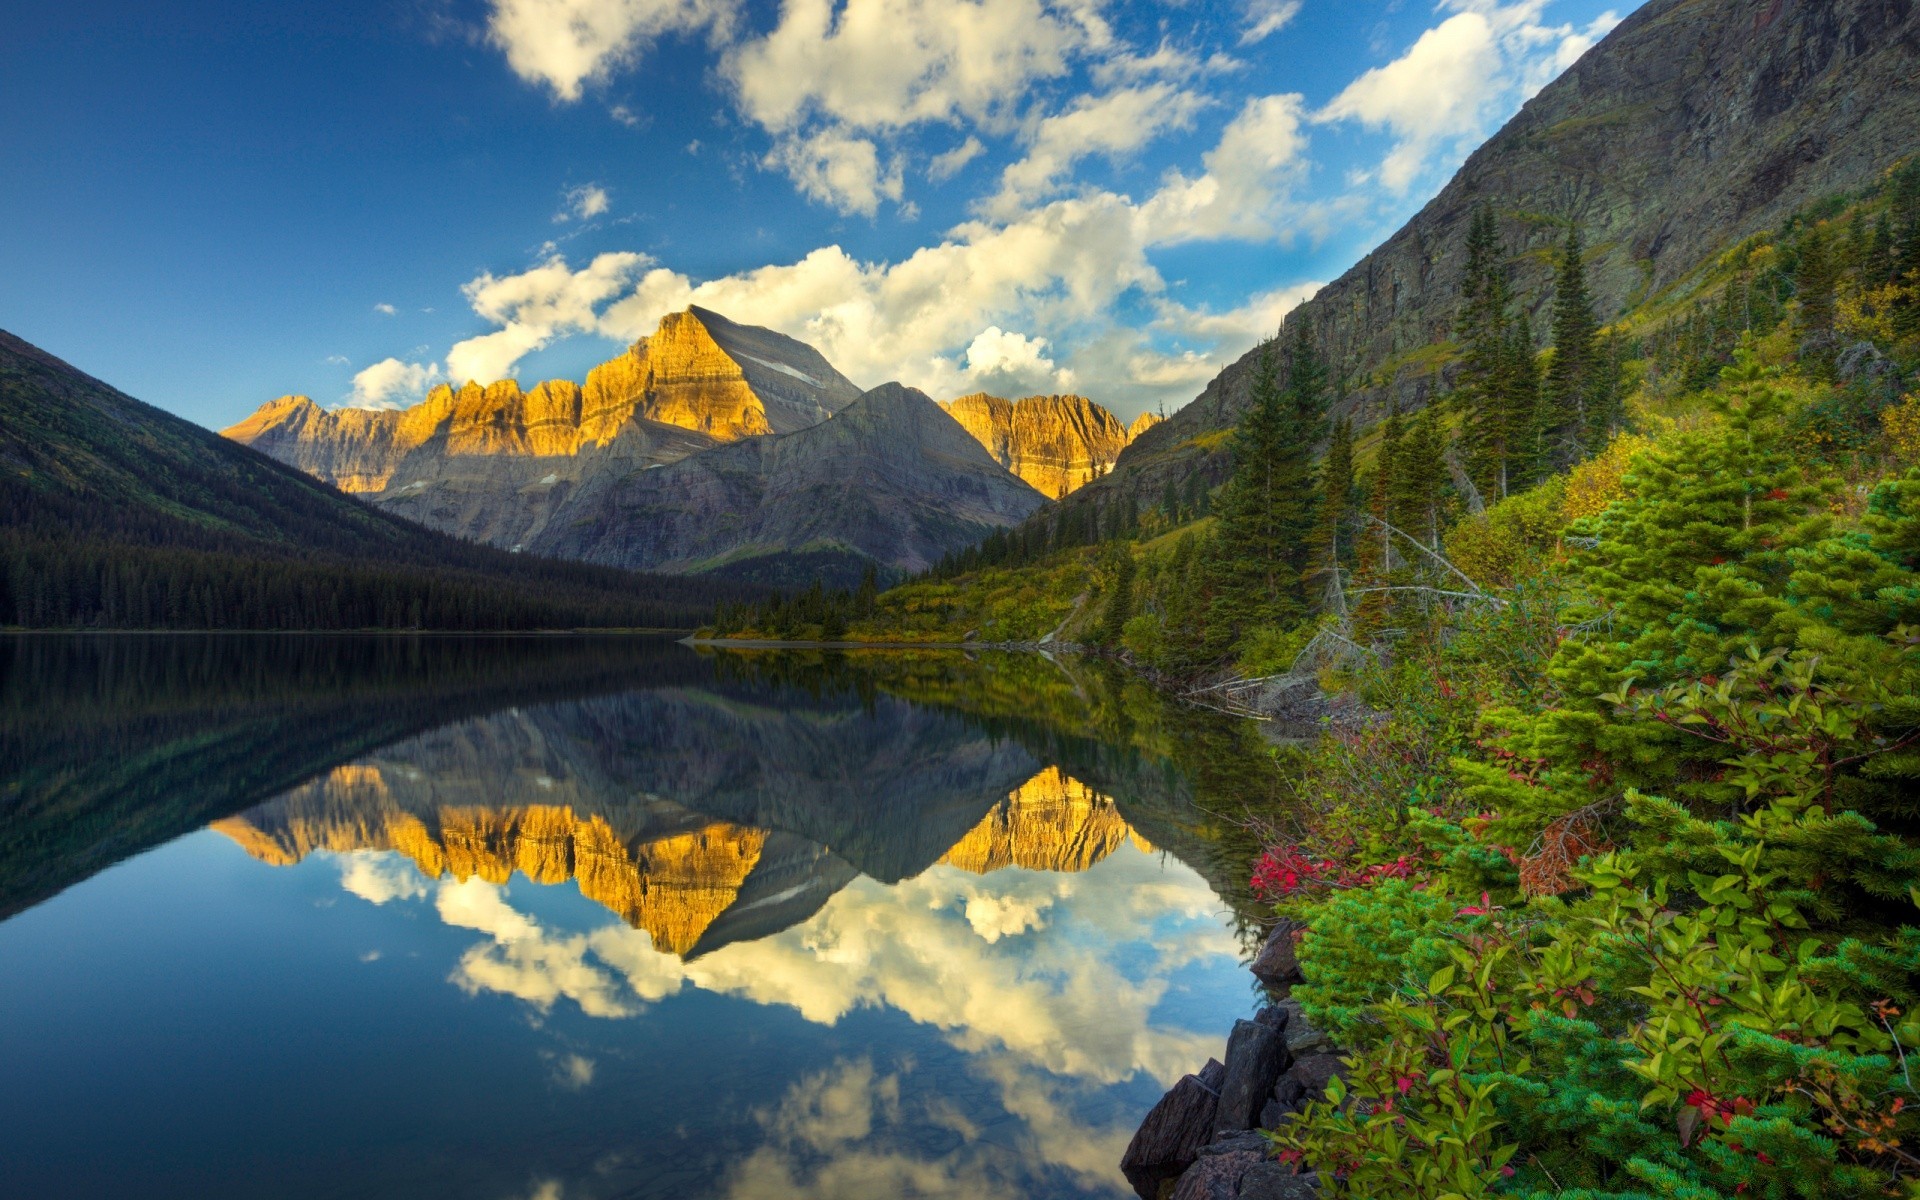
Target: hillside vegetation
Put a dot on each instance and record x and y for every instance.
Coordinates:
(1607, 882)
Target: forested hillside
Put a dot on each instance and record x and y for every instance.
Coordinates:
(114, 514)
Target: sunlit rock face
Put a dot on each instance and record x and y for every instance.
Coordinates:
(496, 463)
(1056, 443)
(1052, 822)
(890, 479)
(517, 794)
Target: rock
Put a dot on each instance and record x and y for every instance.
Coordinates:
(1212, 1075)
(1056, 443)
(1216, 1176)
(1278, 1181)
(1169, 1140)
(1303, 1038)
(1277, 965)
(1273, 1016)
(1256, 1055)
(1236, 1143)
(1311, 1074)
(1277, 1112)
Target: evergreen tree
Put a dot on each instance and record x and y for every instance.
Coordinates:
(1815, 278)
(1567, 391)
(1484, 388)
(1419, 478)
(1332, 536)
(1266, 512)
(1113, 622)
(1520, 410)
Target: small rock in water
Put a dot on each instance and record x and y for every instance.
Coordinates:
(1277, 965)
(1170, 1138)
(1256, 1055)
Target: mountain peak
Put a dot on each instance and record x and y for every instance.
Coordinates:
(1056, 443)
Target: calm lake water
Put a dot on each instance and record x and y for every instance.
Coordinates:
(579, 918)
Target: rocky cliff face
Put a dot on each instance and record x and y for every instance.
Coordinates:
(1058, 444)
(1695, 124)
(495, 463)
(890, 480)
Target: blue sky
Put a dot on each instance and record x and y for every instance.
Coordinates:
(213, 204)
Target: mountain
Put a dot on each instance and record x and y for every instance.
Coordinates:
(890, 480)
(495, 464)
(114, 513)
(1692, 126)
(1056, 443)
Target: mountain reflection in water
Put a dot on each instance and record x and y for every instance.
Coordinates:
(887, 925)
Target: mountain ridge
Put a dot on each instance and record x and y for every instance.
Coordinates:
(1693, 125)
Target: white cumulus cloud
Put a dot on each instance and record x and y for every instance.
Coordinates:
(583, 202)
(565, 44)
(838, 169)
(1268, 17)
(391, 383)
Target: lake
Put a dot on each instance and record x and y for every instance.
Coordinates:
(573, 918)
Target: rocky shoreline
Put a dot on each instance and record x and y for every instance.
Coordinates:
(1207, 1137)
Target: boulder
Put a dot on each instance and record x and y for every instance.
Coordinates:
(1170, 1138)
(1303, 1037)
(1310, 1074)
(1256, 1056)
(1216, 1176)
(1274, 1016)
(1251, 1139)
(1278, 1181)
(1277, 965)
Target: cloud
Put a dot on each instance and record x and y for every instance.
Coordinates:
(1001, 360)
(1248, 179)
(1267, 17)
(391, 383)
(583, 202)
(1113, 126)
(565, 44)
(945, 166)
(837, 169)
(574, 1072)
(385, 310)
(888, 64)
(1458, 78)
(534, 307)
(380, 877)
(523, 960)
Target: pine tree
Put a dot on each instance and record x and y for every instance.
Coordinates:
(1520, 409)
(1419, 477)
(1567, 391)
(1815, 278)
(1483, 387)
(1266, 509)
(1332, 537)
(1113, 622)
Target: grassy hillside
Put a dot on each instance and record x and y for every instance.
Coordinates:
(116, 514)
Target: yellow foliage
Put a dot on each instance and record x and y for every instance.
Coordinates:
(1511, 539)
(1866, 313)
(1598, 482)
(1902, 423)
